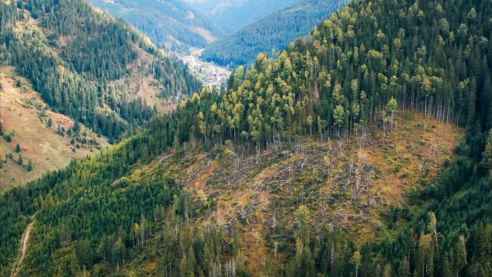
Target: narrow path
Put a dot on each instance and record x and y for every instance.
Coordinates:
(24, 245)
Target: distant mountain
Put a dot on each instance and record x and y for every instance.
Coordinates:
(180, 24)
(273, 32)
(88, 66)
(232, 15)
(170, 23)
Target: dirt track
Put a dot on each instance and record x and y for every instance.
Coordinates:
(23, 249)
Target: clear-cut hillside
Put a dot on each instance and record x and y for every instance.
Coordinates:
(347, 184)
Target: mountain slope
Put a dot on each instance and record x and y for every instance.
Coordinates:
(271, 33)
(33, 138)
(256, 198)
(215, 194)
(232, 15)
(87, 65)
(168, 23)
(353, 124)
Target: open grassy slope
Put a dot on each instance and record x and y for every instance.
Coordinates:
(30, 123)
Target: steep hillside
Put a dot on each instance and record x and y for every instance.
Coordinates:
(271, 33)
(171, 24)
(34, 139)
(232, 15)
(345, 184)
(257, 197)
(341, 158)
(87, 65)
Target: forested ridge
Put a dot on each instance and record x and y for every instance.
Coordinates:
(271, 33)
(72, 53)
(172, 24)
(359, 68)
(232, 15)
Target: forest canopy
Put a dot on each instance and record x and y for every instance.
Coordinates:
(72, 55)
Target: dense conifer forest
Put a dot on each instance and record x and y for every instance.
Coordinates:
(231, 16)
(172, 24)
(71, 53)
(271, 33)
(359, 68)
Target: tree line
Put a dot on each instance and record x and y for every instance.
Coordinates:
(356, 69)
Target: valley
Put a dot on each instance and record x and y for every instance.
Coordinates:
(232, 15)
(89, 66)
(362, 147)
(208, 73)
(226, 33)
(171, 24)
(72, 85)
(271, 33)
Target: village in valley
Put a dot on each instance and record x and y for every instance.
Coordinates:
(208, 73)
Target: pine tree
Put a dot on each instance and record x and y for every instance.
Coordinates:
(391, 108)
(460, 254)
(487, 155)
(356, 261)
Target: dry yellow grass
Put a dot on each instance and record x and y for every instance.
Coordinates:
(258, 193)
(415, 151)
(20, 109)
